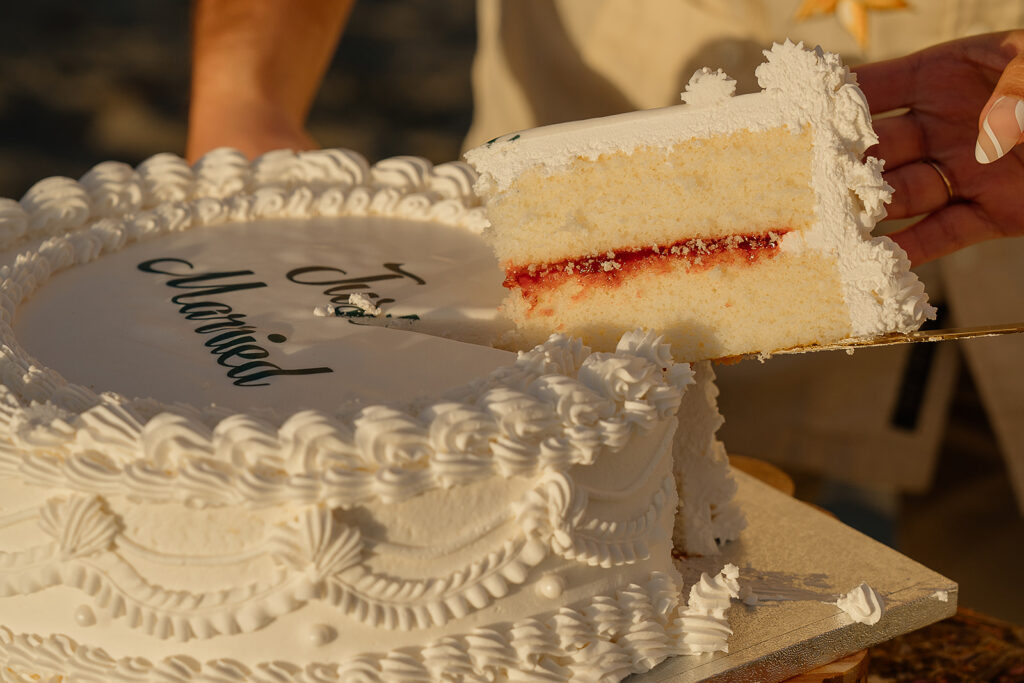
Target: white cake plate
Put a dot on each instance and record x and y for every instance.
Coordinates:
(799, 560)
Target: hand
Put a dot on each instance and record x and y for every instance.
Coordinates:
(250, 127)
(963, 97)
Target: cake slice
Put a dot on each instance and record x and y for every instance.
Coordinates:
(736, 224)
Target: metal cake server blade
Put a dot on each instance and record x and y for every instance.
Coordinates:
(908, 338)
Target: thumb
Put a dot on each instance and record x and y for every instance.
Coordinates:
(1001, 125)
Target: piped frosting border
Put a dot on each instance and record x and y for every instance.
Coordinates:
(54, 433)
(613, 635)
(557, 406)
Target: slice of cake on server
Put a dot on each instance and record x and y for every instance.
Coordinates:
(736, 224)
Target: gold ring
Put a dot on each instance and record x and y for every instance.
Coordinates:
(945, 178)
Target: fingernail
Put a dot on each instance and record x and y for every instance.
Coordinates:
(1000, 130)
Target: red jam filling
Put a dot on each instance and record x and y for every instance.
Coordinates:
(608, 269)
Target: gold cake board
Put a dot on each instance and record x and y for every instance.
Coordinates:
(800, 559)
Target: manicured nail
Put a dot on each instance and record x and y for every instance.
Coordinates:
(1000, 130)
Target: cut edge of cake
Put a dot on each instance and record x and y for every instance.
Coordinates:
(636, 220)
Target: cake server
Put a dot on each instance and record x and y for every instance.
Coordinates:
(893, 338)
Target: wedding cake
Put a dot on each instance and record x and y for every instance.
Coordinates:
(229, 450)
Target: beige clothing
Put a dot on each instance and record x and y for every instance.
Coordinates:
(544, 61)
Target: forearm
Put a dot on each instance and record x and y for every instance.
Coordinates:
(257, 64)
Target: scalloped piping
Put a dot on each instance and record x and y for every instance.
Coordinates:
(606, 639)
(321, 559)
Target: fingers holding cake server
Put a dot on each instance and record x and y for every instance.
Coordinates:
(959, 107)
(943, 232)
(921, 184)
(920, 187)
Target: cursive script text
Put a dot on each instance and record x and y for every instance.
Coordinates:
(231, 338)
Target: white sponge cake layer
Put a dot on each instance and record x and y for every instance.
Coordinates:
(550, 215)
(555, 147)
(778, 301)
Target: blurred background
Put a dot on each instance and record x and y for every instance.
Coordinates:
(82, 83)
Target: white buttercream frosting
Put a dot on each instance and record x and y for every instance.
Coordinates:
(364, 304)
(114, 189)
(707, 88)
(56, 204)
(165, 177)
(703, 624)
(707, 513)
(863, 604)
(616, 634)
(317, 558)
(382, 453)
(13, 221)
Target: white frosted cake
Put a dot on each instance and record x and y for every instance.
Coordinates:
(202, 479)
(735, 224)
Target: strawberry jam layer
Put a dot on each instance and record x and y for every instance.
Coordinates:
(611, 267)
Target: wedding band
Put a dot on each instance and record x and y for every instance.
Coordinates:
(945, 178)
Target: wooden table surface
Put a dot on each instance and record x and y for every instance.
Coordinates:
(968, 646)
